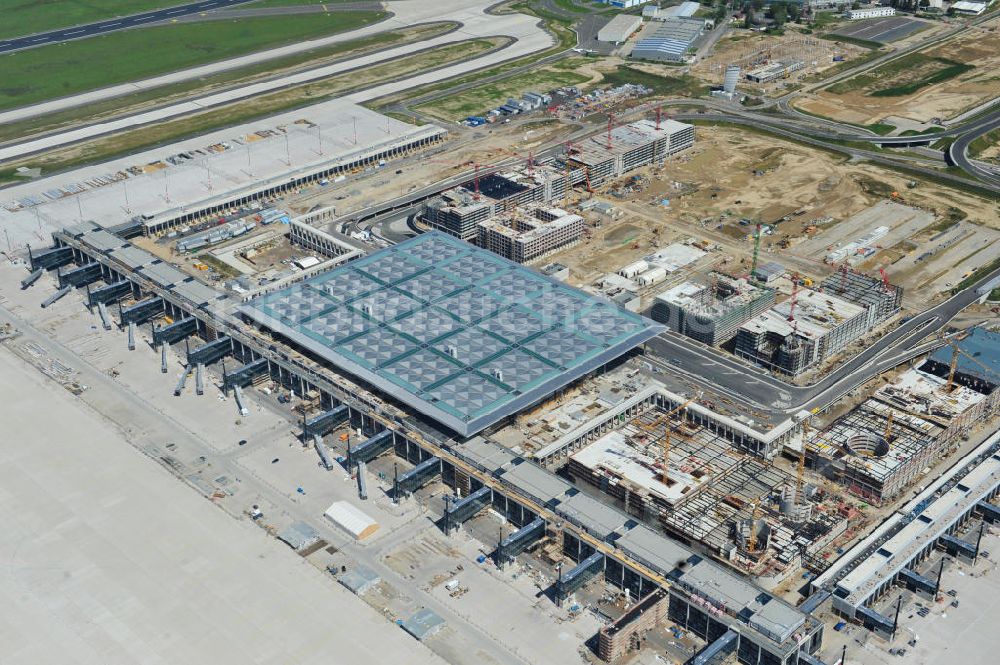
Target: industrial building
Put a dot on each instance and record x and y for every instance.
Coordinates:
(869, 12)
(773, 71)
(459, 211)
(791, 338)
(662, 13)
(604, 157)
(880, 299)
(729, 81)
(619, 29)
(711, 311)
(527, 233)
(456, 332)
(669, 40)
(211, 175)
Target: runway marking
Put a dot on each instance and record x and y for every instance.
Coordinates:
(75, 32)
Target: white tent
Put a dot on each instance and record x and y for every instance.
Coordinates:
(351, 519)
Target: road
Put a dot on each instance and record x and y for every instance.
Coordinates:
(958, 152)
(112, 25)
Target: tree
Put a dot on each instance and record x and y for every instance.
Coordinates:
(779, 12)
(720, 13)
(757, 4)
(795, 13)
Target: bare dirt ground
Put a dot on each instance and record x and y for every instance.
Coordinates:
(979, 47)
(731, 175)
(745, 49)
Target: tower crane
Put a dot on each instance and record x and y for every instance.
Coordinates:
(665, 421)
(801, 470)
(752, 540)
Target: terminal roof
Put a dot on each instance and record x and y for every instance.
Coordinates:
(455, 332)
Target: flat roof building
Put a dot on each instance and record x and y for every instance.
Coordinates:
(620, 28)
(531, 232)
(711, 312)
(453, 331)
(212, 174)
(791, 342)
(669, 40)
(459, 211)
(869, 12)
(774, 71)
(631, 146)
(881, 300)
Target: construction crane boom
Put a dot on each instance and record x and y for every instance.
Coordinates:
(756, 252)
(752, 540)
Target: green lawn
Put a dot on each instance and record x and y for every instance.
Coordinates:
(984, 143)
(172, 92)
(291, 3)
(683, 85)
(902, 76)
(35, 75)
(26, 17)
(481, 98)
(289, 99)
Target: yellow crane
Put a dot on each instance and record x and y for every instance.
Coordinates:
(752, 540)
(888, 426)
(955, 350)
(665, 420)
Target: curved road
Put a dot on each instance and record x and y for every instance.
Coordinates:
(112, 25)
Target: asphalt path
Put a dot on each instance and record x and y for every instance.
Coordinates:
(958, 152)
(112, 25)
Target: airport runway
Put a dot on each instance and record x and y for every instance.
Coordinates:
(527, 38)
(113, 25)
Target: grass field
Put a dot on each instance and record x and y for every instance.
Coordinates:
(290, 3)
(26, 17)
(682, 86)
(163, 94)
(103, 149)
(479, 99)
(847, 39)
(35, 75)
(902, 76)
(984, 143)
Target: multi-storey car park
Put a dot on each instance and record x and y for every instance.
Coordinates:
(527, 234)
(604, 157)
(711, 312)
(795, 335)
(460, 210)
(595, 160)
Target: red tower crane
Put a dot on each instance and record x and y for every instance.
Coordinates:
(885, 281)
(795, 297)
